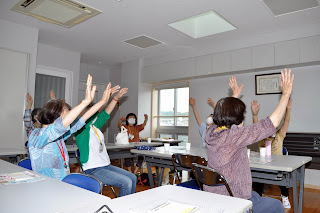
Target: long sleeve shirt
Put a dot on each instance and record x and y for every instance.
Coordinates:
(28, 124)
(46, 147)
(227, 153)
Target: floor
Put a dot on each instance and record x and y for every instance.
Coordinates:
(311, 202)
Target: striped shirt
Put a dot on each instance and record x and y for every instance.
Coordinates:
(46, 157)
(28, 124)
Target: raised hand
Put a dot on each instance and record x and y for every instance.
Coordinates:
(236, 90)
(211, 102)
(90, 92)
(145, 117)
(107, 92)
(255, 107)
(286, 82)
(29, 101)
(192, 101)
(115, 89)
(122, 118)
(52, 95)
(121, 93)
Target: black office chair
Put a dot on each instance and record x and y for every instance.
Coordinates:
(209, 177)
(77, 153)
(185, 161)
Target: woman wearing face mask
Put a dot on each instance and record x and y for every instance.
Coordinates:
(133, 133)
(202, 125)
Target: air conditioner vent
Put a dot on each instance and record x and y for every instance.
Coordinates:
(66, 13)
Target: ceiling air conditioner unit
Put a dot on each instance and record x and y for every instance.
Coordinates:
(66, 13)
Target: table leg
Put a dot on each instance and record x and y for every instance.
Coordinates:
(161, 177)
(295, 191)
(302, 170)
(150, 175)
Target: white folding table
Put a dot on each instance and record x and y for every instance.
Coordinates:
(283, 170)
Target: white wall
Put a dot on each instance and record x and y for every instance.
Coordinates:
(145, 95)
(21, 39)
(99, 73)
(53, 57)
(305, 110)
(115, 79)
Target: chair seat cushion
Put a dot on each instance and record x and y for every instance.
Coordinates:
(191, 184)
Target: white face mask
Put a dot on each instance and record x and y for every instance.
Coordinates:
(209, 120)
(131, 121)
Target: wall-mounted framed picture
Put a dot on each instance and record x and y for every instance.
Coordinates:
(268, 84)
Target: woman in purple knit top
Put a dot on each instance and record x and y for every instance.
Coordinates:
(227, 143)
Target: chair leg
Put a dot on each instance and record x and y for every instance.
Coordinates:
(113, 191)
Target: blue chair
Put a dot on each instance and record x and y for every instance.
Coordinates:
(77, 153)
(209, 177)
(185, 161)
(284, 151)
(84, 181)
(25, 163)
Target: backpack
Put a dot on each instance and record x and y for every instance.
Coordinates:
(143, 179)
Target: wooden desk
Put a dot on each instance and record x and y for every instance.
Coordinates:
(283, 170)
(48, 196)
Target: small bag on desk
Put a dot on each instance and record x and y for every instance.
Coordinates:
(122, 137)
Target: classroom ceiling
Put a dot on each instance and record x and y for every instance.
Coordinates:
(100, 39)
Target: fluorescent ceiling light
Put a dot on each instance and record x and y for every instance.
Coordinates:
(202, 25)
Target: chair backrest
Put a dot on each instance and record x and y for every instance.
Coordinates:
(77, 152)
(186, 161)
(84, 181)
(285, 151)
(25, 163)
(209, 177)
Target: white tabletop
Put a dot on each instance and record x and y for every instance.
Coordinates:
(286, 163)
(47, 196)
(11, 151)
(146, 200)
(163, 140)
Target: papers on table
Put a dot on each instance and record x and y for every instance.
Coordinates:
(165, 207)
(20, 177)
(174, 207)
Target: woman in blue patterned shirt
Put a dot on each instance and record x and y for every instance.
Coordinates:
(48, 153)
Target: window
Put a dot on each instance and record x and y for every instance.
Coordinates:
(172, 118)
(174, 107)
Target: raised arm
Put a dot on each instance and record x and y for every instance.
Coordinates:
(29, 101)
(211, 103)
(286, 84)
(145, 120)
(285, 125)
(192, 102)
(52, 95)
(70, 116)
(236, 90)
(115, 99)
(255, 109)
(120, 122)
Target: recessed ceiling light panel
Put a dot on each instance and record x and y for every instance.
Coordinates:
(143, 42)
(202, 25)
(283, 7)
(66, 13)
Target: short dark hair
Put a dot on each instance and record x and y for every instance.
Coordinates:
(34, 113)
(229, 111)
(131, 114)
(52, 110)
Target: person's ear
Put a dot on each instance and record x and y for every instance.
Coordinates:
(240, 125)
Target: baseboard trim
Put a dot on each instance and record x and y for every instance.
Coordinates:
(308, 186)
